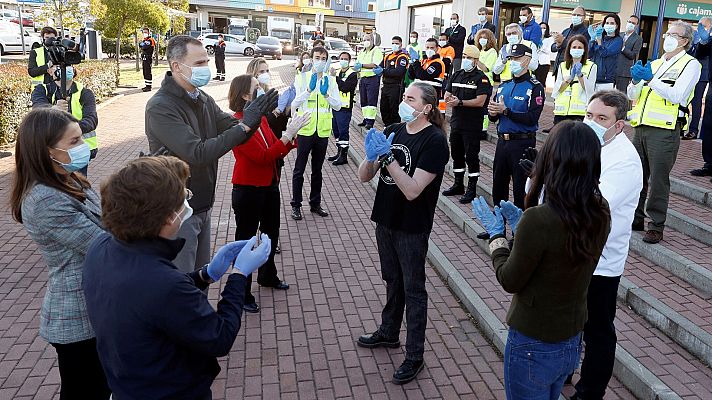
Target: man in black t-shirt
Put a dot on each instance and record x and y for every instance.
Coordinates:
(467, 92)
(412, 162)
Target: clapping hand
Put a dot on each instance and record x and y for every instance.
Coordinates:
(226, 255)
(527, 160)
(647, 74)
(249, 258)
(496, 107)
(453, 100)
(703, 33)
(313, 81)
(413, 54)
(370, 144)
(324, 86)
(503, 53)
(599, 32)
(492, 222)
(576, 70)
(357, 66)
(294, 125)
(512, 213)
(378, 70)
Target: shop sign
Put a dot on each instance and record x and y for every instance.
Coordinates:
(679, 10)
(589, 5)
(384, 5)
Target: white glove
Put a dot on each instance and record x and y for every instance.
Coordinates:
(302, 97)
(295, 124)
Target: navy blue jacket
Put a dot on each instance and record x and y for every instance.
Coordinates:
(606, 57)
(524, 98)
(157, 335)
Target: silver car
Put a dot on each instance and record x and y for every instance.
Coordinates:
(233, 44)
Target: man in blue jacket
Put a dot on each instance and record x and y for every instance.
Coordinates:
(157, 335)
(531, 28)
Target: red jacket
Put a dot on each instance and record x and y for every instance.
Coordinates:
(255, 160)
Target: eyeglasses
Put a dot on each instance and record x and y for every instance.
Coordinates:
(674, 35)
(188, 194)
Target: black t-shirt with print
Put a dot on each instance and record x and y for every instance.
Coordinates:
(427, 150)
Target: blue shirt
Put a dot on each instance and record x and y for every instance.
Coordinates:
(524, 98)
(605, 56)
(532, 32)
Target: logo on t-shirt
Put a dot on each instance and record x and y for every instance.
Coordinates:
(402, 155)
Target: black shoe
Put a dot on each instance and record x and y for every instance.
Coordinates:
(362, 123)
(704, 171)
(251, 308)
(652, 237)
(483, 236)
(457, 188)
(638, 226)
(296, 213)
(222, 79)
(407, 371)
(217, 78)
(376, 339)
(471, 191)
(343, 157)
(146, 89)
(335, 156)
(319, 211)
(279, 286)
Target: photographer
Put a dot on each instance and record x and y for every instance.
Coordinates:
(79, 101)
(39, 65)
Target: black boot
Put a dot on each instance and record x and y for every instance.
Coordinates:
(471, 191)
(343, 156)
(458, 187)
(335, 156)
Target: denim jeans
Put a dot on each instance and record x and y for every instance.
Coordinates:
(536, 370)
(402, 257)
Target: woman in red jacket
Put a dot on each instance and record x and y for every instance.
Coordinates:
(255, 192)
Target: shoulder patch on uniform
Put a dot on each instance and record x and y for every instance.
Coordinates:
(485, 80)
(403, 62)
(431, 69)
(539, 100)
(533, 79)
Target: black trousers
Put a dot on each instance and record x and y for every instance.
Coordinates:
(541, 73)
(147, 64)
(220, 63)
(465, 149)
(316, 146)
(391, 96)
(599, 335)
(706, 133)
(258, 207)
(81, 372)
(506, 167)
(402, 257)
(622, 83)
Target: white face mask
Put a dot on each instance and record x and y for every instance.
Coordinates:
(264, 78)
(453, 22)
(413, 40)
(670, 44)
(513, 39)
(483, 42)
(629, 27)
(429, 52)
(366, 43)
(522, 19)
(188, 213)
(442, 43)
(482, 18)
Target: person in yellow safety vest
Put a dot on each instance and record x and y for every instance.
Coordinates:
(346, 80)
(79, 101)
(486, 43)
(39, 66)
(317, 94)
(414, 51)
(430, 69)
(575, 81)
(370, 85)
(663, 89)
(514, 35)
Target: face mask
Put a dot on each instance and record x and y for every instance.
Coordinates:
(264, 78)
(344, 64)
(629, 27)
(70, 74)
(576, 53)
(522, 19)
(78, 158)
(405, 111)
(260, 92)
(413, 40)
(483, 42)
(145, 34)
(513, 39)
(515, 67)
(576, 19)
(188, 213)
(670, 44)
(442, 43)
(366, 43)
(429, 52)
(610, 29)
(200, 76)
(319, 66)
(395, 47)
(599, 130)
(467, 64)
(453, 22)
(482, 18)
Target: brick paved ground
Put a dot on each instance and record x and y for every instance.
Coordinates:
(301, 344)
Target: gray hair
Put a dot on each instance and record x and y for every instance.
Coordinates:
(515, 25)
(582, 9)
(708, 19)
(178, 47)
(485, 9)
(615, 99)
(689, 32)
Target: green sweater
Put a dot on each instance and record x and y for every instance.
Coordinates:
(549, 286)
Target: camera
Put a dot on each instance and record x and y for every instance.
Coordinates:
(63, 52)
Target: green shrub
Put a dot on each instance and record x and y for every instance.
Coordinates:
(108, 46)
(15, 90)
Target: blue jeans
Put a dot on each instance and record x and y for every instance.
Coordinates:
(536, 370)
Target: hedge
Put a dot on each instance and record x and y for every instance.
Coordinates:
(16, 89)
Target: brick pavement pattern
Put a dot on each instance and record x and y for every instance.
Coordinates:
(301, 345)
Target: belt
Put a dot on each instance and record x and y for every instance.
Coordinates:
(516, 136)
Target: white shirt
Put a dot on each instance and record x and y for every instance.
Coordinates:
(590, 80)
(621, 183)
(334, 98)
(545, 54)
(677, 93)
(499, 65)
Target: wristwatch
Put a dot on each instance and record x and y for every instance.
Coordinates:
(386, 159)
(505, 112)
(460, 103)
(203, 272)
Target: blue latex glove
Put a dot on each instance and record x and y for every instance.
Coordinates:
(382, 144)
(599, 32)
(512, 213)
(493, 223)
(576, 69)
(413, 54)
(591, 32)
(703, 33)
(249, 260)
(370, 144)
(504, 54)
(312, 82)
(378, 70)
(324, 86)
(636, 71)
(357, 66)
(226, 255)
(647, 72)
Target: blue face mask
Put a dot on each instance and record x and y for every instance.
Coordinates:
(467, 64)
(599, 130)
(515, 67)
(576, 53)
(199, 76)
(344, 64)
(405, 111)
(78, 158)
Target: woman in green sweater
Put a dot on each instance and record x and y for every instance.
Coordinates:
(549, 267)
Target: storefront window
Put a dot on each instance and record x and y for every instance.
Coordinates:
(429, 21)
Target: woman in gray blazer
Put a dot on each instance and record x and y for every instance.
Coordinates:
(62, 214)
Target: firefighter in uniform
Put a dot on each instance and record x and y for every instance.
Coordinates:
(367, 64)
(395, 66)
(39, 66)
(147, 45)
(663, 90)
(514, 36)
(346, 80)
(79, 101)
(431, 69)
(220, 58)
(467, 92)
(516, 107)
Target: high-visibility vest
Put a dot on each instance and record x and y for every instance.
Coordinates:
(40, 58)
(320, 109)
(78, 112)
(373, 56)
(569, 102)
(346, 96)
(438, 83)
(506, 73)
(651, 108)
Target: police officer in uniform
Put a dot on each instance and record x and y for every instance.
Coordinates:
(468, 92)
(395, 66)
(39, 66)
(346, 80)
(516, 107)
(147, 45)
(431, 69)
(220, 58)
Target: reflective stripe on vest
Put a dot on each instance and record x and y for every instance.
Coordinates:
(506, 74)
(652, 109)
(439, 80)
(346, 96)
(369, 57)
(78, 112)
(569, 101)
(40, 59)
(316, 104)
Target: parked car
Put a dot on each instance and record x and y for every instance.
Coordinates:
(336, 46)
(233, 44)
(10, 40)
(269, 46)
(28, 22)
(7, 15)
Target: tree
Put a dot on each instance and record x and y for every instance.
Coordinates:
(64, 13)
(177, 25)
